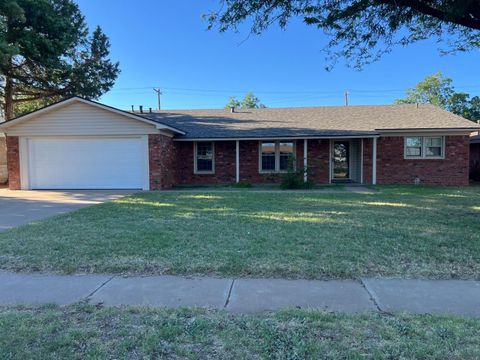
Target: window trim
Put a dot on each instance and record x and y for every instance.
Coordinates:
(277, 156)
(202, 172)
(424, 155)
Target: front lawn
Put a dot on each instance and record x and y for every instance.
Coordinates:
(397, 231)
(87, 332)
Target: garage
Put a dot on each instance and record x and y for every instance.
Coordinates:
(82, 144)
(86, 163)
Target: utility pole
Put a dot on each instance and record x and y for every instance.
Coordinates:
(346, 97)
(159, 92)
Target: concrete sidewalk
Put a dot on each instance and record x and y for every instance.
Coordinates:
(459, 297)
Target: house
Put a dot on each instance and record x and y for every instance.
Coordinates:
(81, 144)
(475, 156)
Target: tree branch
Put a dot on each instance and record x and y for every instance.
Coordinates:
(426, 9)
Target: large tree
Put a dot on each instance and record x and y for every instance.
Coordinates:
(47, 53)
(438, 90)
(362, 30)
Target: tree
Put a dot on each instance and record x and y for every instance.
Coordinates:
(434, 89)
(233, 103)
(438, 90)
(250, 101)
(362, 30)
(47, 53)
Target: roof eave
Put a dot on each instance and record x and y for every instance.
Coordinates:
(283, 137)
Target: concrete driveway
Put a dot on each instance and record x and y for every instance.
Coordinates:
(22, 207)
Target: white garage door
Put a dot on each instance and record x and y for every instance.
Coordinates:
(87, 163)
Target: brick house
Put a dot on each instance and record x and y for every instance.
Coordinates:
(81, 144)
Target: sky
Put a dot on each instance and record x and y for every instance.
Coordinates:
(165, 44)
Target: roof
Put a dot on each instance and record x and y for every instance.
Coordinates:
(61, 103)
(310, 121)
(328, 121)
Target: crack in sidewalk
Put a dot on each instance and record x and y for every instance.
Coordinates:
(229, 294)
(374, 299)
(87, 298)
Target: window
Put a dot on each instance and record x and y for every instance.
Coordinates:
(413, 147)
(268, 156)
(204, 158)
(275, 155)
(433, 147)
(285, 150)
(424, 147)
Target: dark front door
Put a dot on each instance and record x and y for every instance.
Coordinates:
(341, 160)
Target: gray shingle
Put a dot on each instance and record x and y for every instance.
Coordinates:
(308, 121)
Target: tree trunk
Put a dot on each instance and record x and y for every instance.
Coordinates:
(8, 98)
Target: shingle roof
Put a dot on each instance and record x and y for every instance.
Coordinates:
(308, 121)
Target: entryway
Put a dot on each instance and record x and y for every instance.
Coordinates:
(346, 161)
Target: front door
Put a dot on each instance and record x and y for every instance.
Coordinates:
(341, 159)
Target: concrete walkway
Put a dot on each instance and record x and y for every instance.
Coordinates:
(22, 207)
(459, 297)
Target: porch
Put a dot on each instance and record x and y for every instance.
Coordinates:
(326, 160)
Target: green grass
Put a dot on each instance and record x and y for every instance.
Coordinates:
(87, 332)
(397, 231)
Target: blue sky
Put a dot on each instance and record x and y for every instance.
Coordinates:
(165, 44)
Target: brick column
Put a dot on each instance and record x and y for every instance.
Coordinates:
(13, 163)
(162, 161)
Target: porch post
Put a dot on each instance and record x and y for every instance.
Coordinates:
(361, 161)
(237, 161)
(305, 155)
(374, 162)
(329, 161)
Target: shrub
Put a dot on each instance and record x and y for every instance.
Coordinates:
(294, 177)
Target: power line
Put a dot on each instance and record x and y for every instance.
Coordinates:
(177, 89)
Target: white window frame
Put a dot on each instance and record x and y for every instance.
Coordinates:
(202, 172)
(423, 155)
(277, 155)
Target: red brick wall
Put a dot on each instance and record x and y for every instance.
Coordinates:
(367, 160)
(224, 164)
(318, 161)
(249, 163)
(162, 160)
(392, 168)
(13, 163)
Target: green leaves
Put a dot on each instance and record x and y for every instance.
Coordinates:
(47, 54)
(250, 101)
(362, 30)
(438, 90)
